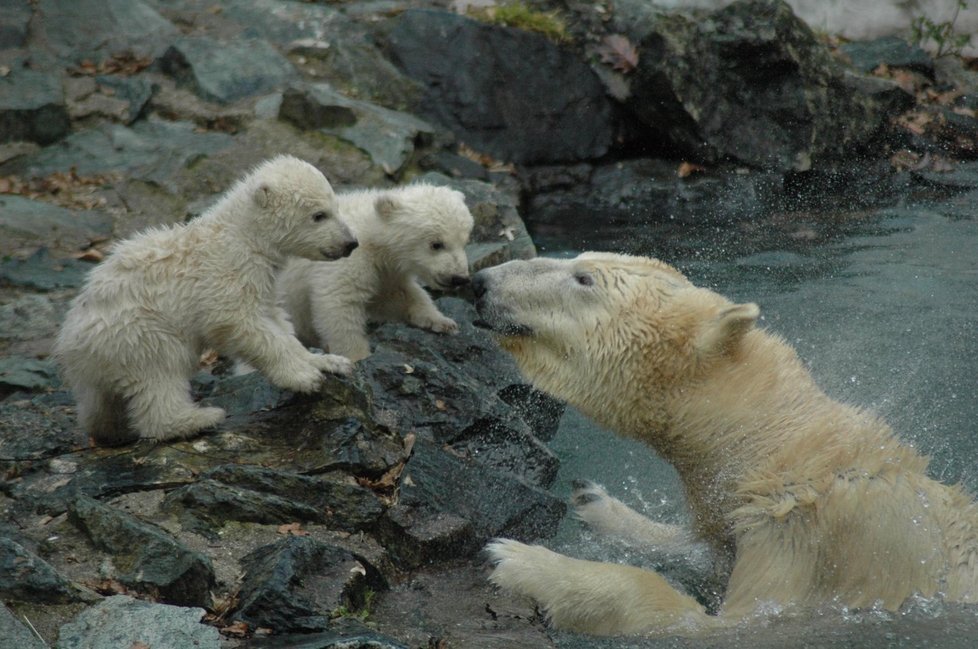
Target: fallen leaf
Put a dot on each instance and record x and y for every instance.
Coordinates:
(408, 369)
(619, 52)
(292, 529)
(440, 404)
(688, 168)
(509, 232)
(238, 629)
(139, 645)
(409, 440)
(91, 254)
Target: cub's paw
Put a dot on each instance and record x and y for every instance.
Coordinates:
(333, 363)
(304, 378)
(437, 323)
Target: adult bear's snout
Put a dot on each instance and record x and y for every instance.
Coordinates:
(479, 284)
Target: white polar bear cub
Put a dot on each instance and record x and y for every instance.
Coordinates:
(408, 236)
(134, 335)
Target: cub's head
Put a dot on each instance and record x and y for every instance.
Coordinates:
(426, 228)
(601, 329)
(300, 211)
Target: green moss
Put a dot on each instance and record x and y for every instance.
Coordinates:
(359, 613)
(520, 16)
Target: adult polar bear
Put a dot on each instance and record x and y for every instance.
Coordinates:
(133, 336)
(809, 501)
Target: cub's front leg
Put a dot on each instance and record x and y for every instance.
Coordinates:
(412, 304)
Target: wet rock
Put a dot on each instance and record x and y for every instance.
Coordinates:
(749, 82)
(225, 72)
(499, 233)
(891, 51)
(43, 272)
(27, 223)
(301, 584)
(452, 505)
(511, 93)
(25, 577)
(30, 374)
(539, 410)
(143, 555)
(345, 634)
(152, 150)
(32, 107)
(76, 30)
(390, 137)
(121, 621)
(14, 24)
(241, 395)
(260, 495)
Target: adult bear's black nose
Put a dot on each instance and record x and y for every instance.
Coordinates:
(479, 284)
(350, 247)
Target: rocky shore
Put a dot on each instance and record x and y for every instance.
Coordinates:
(354, 517)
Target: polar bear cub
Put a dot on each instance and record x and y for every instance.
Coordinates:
(409, 237)
(803, 501)
(134, 334)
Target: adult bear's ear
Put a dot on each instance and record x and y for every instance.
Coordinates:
(386, 205)
(263, 195)
(723, 332)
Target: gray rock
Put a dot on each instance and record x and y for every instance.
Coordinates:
(43, 272)
(34, 430)
(15, 18)
(144, 556)
(507, 92)
(95, 29)
(388, 136)
(32, 107)
(19, 373)
(300, 584)
(892, 51)
(15, 633)
(225, 72)
(450, 506)
(345, 634)
(25, 577)
(749, 82)
(28, 317)
(121, 621)
(27, 223)
(256, 494)
(152, 150)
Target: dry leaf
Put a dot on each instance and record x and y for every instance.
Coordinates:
(292, 529)
(139, 645)
(408, 369)
(440, 404)
(238, 629)
(619, 52)
(409, 440)
(688, 168)
(92, 254)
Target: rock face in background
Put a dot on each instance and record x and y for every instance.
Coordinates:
(749, 83)
(507, 92)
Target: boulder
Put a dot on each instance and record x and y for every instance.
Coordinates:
(503, 91)
(32, 107)
(25, 577)
(123, 622)
(26, 223)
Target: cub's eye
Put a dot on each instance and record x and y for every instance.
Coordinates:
(584, 279)
(320, 216)
(437, 245)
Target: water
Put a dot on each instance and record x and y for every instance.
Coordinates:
(882, 307)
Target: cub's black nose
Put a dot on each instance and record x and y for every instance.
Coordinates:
(479, 286)
(350, 247)
(458, 280)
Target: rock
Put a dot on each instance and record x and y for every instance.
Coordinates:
(11, 630)
(43, 272)
(143, 555)
(539, 410)
(749, 82)
(31, 430)
(243, 394)
(449, 506)
(15, 18)
(153, 150)
(75, 30)
(225, 72)
(32, 107)
(27, 223)
(346, 634)
(390, 137)
(123, 622)
(25, 577)
(255, 494)
(301, 584)
(115, 97)
(31, 374)
(891, 51)
(29, 317)
(507, 92)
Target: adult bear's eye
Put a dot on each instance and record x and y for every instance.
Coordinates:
(320, 216)
(437, 245)
(584, 279)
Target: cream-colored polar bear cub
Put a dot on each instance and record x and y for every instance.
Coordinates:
(134, 335)
(807, 501)
(409, 237)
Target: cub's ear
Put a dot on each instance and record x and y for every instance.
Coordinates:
(263, 195)
(386, 205)
(722, 333)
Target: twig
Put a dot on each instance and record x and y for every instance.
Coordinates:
(34, 630)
